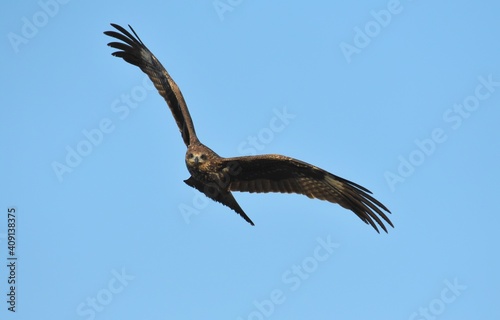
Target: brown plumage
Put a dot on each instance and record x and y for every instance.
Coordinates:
(216, 176)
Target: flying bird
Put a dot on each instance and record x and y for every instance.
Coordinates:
(217, 177)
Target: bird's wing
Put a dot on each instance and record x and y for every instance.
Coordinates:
(277, 173)
(132, 50)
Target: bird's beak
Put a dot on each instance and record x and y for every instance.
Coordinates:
(196, 160)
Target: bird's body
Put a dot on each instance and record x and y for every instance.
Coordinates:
(217, 177)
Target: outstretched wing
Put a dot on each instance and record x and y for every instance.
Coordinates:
(277, 173)
(132, 50)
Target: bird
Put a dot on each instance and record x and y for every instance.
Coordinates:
(217, 177)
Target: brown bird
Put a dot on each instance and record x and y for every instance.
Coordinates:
(216, 176)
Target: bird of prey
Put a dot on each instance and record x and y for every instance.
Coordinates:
(217, 177)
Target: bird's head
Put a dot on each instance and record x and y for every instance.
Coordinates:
(194, 158)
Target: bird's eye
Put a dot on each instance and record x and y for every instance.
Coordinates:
(203, 157)
(190, 155)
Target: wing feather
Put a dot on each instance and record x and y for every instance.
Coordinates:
(277, 173)
(133, 51)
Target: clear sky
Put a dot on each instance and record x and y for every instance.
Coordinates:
(402, 97)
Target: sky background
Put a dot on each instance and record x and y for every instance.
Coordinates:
(400, 97)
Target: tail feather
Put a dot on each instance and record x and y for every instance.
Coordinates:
(219, 195)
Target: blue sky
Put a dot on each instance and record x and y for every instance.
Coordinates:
(401, 97)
